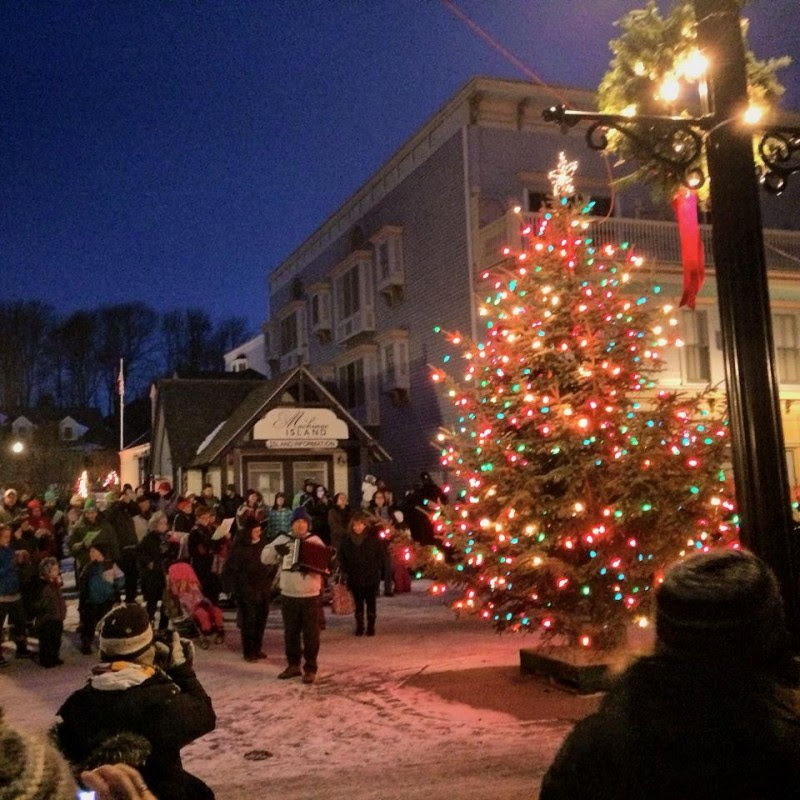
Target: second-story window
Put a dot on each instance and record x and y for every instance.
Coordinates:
(787, 353)
(389, 268)
(351, 383)
(354, 308)
(288, 334)
(696, 354)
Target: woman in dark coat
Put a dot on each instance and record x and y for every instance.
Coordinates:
(250, 581)
(361, 560)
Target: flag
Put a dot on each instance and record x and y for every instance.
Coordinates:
(120, 381)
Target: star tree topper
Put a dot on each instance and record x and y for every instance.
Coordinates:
(561, 178)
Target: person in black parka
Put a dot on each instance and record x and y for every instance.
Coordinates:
(361, 559)
(703, 717)
(250, 581)
(129, 693)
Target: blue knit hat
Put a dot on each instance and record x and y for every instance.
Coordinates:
(300, 513)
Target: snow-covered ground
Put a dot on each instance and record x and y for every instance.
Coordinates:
(432, 707)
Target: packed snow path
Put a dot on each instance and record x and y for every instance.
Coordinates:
(432, 707)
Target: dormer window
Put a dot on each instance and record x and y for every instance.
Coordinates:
(239, 364)
(389, 268)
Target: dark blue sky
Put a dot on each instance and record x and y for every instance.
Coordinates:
(175, 152)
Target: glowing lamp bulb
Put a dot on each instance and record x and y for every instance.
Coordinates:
(695, 65)
(753, 115)
(670, 89)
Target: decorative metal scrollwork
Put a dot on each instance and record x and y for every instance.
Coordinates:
(779, 149)
(675, 142)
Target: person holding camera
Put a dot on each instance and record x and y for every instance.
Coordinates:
(146, 688)
(300, 600)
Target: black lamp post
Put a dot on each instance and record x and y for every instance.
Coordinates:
(759, 464)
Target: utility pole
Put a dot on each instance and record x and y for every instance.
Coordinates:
(759, 465)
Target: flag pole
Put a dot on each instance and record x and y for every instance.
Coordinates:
(121, 390)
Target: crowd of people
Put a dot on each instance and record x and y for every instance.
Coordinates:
(128, 545)
(712, 686)
(146, 562)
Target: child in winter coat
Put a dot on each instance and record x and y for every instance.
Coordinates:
(100, 584)
(51, 612)
(361, 560)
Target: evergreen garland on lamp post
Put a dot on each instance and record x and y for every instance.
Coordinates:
(580, 480)
(657, 69)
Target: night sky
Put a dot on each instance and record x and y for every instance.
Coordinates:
(176, 152)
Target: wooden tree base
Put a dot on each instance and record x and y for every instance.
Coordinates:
(567, 668)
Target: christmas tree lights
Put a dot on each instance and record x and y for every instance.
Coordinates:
(581, 480)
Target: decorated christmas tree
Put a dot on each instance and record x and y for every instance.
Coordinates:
(578, 480)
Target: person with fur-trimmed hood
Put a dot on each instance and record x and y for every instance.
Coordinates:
(143, 688)
(704, 716)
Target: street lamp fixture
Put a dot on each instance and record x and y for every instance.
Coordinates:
(18, 447)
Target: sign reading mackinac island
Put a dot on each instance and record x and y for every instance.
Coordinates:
(306, 428)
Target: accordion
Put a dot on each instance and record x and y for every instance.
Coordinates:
(308, 556)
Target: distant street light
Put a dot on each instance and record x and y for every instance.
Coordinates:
(17, 447)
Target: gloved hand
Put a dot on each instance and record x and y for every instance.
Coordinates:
(181, 651)
(162, 654)
(282, 549)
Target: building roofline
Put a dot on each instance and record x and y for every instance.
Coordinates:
(456, 112)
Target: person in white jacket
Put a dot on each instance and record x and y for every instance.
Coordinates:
(300, 592)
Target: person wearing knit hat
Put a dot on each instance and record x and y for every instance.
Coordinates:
(31, 768)
(673, 723)
(9, 507)
(92, 526)
(145, 688)
(300, 599)
(100, 584)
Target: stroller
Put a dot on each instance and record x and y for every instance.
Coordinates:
(192, 614)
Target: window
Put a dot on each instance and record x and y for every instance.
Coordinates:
(67, 434)
(351, 383)
(394, 361)
(389, 270)
(239, 364)
(291, 330)
(357, 380)
(696, 355)
(320, 311)
(787, 357)
(536, 201)
(266, 477)
(288, 334)
(354, 306)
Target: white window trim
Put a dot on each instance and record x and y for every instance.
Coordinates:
(782, 352)
(298, 354)
(363, 319)
(322, 327)
(399, 377)
(390, 284)
(369, 413)
(698, 341)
